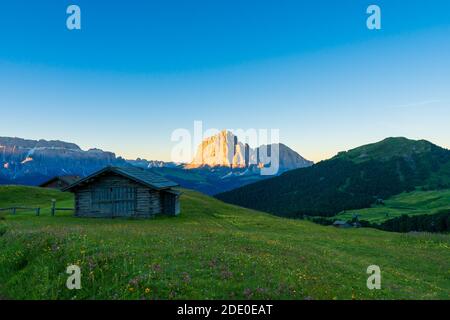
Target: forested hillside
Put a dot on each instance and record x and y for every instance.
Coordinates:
(351, 180)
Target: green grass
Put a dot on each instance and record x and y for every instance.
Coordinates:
(412, 203)
(212, 251)
(18, 196)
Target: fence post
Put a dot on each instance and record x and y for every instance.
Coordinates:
(53, 207)
(14, 210)
(38, 211)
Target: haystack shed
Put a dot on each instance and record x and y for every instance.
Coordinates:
(341, 224)
(125, 192)
(59, 182)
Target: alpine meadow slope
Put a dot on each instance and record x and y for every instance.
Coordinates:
(351, 180)
(408, 203)
(212, 250)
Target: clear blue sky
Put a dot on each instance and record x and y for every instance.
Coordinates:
(140, 69)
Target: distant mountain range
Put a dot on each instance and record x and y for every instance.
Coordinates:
(31, 162)
(225, 150)
(150, 164)
(223, 163)
(351, 180)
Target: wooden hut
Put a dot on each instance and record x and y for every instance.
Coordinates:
(341, 224)
(60, 182)
(125, 192)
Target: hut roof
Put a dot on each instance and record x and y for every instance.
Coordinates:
(138, 175)
(340, 223)
(67, 179)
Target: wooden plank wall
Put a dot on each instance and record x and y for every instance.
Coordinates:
(148, 201)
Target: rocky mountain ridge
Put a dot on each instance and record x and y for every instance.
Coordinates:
(32, 161)
(225, 150)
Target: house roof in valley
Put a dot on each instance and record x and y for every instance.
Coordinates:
(138, 175)
(340, 223)
(67, 179)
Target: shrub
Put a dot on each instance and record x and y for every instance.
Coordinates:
(3, 229)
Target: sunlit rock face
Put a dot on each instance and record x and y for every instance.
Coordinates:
(221, 150)
(224, 150)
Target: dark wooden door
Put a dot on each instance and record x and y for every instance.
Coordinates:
(123, 201)
(115, 201)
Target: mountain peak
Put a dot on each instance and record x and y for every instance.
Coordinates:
(220, 150)
(387, 149)
(225, 150)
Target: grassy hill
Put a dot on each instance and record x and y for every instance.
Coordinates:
(387, 149)
(351, 180)
(411, 204)
(212, 251)
(11, 196)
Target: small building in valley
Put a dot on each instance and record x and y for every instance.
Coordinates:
(125, 192)
(341, 224)
(59, 182)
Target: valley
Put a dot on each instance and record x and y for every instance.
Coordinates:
(410, 204)
(351, 180)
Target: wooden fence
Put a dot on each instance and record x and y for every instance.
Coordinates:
(37, 210)
(15, 209)
(54, 208)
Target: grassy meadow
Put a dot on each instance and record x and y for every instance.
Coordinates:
(211, 251)
(411, 203)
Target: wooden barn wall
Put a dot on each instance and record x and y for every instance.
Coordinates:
(148, 201)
